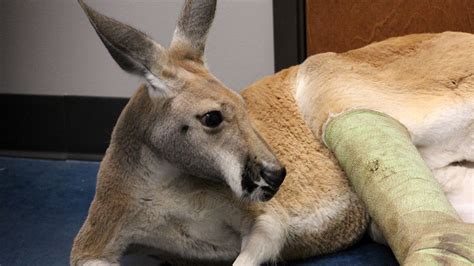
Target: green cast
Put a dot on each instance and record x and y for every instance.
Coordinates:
(399, 190)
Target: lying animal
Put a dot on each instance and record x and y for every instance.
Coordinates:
(192, 170)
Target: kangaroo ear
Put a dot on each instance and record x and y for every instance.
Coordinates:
(132, 49)
(193, 25)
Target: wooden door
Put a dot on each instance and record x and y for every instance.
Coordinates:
(342, 25)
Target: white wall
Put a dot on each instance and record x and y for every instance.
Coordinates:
(48, 47)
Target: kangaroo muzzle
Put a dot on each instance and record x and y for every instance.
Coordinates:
(261, 180)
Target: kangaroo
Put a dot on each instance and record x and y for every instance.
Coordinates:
(197, 173)
(188, 177)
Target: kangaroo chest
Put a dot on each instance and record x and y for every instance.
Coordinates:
(191, 222)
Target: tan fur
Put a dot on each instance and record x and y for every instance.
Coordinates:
(315, 183)
(112, 197)
(407, 77)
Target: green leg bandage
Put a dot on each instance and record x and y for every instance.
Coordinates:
(399, 190)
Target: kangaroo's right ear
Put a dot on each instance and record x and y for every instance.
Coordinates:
(132, 49)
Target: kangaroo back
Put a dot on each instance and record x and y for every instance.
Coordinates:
(411, 78)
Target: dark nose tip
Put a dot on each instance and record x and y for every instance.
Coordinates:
(273, 177)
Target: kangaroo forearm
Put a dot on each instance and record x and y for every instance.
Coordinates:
(389, 175)
(98, 239)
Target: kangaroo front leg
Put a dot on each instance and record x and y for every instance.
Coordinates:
(263, 242)
(99, 242)
(95, 248)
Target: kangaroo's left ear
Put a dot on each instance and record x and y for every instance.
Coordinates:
(132, 49)
(194, 22)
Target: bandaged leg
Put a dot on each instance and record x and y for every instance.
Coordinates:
(399, 190)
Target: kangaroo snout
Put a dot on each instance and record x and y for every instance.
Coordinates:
(273, 175)
(261, 180)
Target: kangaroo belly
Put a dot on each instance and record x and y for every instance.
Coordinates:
(446, 142)
(457, 181)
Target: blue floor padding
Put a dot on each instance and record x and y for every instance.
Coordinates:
(44, 202)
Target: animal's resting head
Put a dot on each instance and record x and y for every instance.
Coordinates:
(198, 124)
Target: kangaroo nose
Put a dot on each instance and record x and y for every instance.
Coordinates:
(273, 177)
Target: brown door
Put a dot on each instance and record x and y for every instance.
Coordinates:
(342, 25)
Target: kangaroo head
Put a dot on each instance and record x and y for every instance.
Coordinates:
(197, 124)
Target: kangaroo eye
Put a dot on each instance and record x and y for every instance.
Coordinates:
(212, 119)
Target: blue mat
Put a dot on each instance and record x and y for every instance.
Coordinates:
(44, 202)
